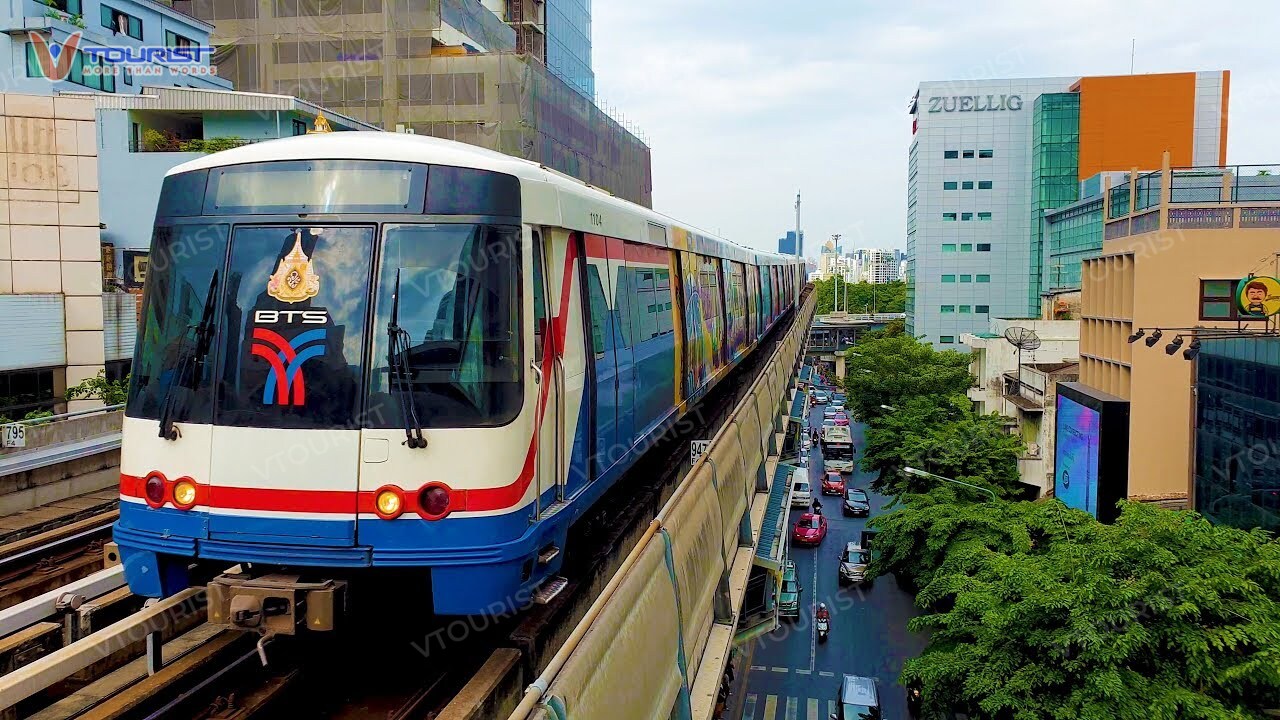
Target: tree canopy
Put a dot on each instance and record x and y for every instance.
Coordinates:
(893, 370)
(1043, 612)
(860, 297)
(945, 437)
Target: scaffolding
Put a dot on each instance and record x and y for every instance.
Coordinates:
(445, 68)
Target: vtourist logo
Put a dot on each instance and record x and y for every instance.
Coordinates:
(54, 59)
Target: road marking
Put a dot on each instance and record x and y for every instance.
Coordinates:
(781, 670)
(812, 712)
(759, 667)
(813, 639)
(770, 707)
(749, 709)
(792, 707)
(803, 672)
(824, 673)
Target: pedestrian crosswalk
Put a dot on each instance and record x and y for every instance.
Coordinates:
(786, 707)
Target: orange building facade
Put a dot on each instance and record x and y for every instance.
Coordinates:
(1129, 121)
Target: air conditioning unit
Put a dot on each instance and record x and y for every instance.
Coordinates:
(1033, 450)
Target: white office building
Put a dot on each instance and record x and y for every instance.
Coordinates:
(969, 179)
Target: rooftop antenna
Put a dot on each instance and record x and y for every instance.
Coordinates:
(1133, 50)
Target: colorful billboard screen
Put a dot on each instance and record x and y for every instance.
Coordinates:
(1075, 472)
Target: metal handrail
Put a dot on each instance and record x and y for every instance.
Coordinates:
(63, 416)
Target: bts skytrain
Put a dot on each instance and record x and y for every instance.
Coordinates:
(374, 350)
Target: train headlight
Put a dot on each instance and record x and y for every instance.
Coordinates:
(388, 503)
(153, 488)
(434, 501)
(184, 494)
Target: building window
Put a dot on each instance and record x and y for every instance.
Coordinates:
(949, 185)
(966, 247)
(982, 309)
(984, 278)
(967, 185)
(965, 309)
(948, 217)
(1218, 301)
(174, 40)
(948, 309)
(948, 278)
(121, 23)
(966, 216)
(299, 127)
(986, 153)
(984, 216)
(968, 154)
(948, 247)
(950, 154)
(984, 247)
(946, 339)
(24, 391)
(966, 278)
(126, 75)
(984, 184)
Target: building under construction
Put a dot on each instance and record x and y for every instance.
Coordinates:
(446, 68)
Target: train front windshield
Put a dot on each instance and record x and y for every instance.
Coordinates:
(256, 318)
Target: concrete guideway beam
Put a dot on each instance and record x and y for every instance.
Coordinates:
(46, 671)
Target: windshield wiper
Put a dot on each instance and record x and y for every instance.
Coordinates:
(399, 373)
(191, 359)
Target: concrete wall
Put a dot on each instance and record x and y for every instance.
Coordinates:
(49, 218)
(1060, 342)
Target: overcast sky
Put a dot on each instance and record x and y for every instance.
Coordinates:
(746, 102)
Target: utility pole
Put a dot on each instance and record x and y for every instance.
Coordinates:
(835, 245)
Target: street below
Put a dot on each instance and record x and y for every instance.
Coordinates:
(792, 676)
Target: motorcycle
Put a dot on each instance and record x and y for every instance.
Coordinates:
(824, 628)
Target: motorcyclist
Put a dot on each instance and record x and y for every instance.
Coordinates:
(913, 699)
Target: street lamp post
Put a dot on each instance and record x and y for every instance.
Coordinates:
(921, 473)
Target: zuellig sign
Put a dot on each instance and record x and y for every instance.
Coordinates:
(975, 103)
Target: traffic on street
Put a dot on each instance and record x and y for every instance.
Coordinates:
(794, 674)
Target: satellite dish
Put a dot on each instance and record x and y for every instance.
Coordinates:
(1022, 338)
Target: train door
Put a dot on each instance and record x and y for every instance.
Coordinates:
(548, 374)
(292, 359)
(621, 288)
(601, 346)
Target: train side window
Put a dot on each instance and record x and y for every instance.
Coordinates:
(539, 299)
(662, 300)
(599, 309)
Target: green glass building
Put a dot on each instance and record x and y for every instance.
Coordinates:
(1072, 235)
(1055, 167)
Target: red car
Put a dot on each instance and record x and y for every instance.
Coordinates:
(810, 529)
(842, 419)
(833, 484)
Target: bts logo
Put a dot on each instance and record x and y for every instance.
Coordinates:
(285, 382)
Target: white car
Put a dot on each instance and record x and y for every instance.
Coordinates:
(829, 412)
(801, 494)
(838, 407)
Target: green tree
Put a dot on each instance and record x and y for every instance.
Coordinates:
(1160, 616)
(110, 392)
(860, 297)
(893, 328)
(892, 370)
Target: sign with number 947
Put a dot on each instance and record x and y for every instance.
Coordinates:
(15, 435)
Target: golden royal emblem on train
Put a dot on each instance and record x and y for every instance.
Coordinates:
(294, 280)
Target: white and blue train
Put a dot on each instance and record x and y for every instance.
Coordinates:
(372, 350)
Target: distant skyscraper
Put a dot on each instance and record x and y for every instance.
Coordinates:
(787, 245)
